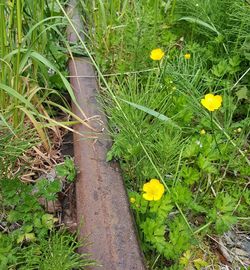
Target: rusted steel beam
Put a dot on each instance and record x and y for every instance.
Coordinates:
(103, 210)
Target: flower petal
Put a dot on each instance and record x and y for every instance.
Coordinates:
(154, 182)
(146, 187)
(148, 196)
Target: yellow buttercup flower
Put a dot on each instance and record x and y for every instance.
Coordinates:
(132, 200)
(157, 54)
(153, 190)
(203, 132)
(187, 56)
(212, 102)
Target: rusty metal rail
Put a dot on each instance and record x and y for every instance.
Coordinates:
(103, 211)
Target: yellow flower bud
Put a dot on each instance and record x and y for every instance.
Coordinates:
(203, 132)
(132, 200)
(187, 56)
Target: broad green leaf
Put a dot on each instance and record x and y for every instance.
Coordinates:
(47, 63)
(242, 93)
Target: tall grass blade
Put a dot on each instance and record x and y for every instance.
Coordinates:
(14, 93)
(152, 112)
(7, 125)
(201, 23)
(39, 129)
(102, 8)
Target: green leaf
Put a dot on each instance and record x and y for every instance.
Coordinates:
(220, 69)
(191, 150)
(199, 263)
(235, 61)
(30, 237)
(20, 238)
(48, 189)
(181, 194)
(190, 175)
(151, 112)
(201, 23)
(28, 228)
(205, 165)
(224, 223)
(242, 93)
(186, 257)
(225, 203)
(246, 48)
(180, 238)
(48, 221)
(12, 92)
(161, 208)
(67, 169)
(151, 228)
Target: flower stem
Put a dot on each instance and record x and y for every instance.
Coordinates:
(213, 133)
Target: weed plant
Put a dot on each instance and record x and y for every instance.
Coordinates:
(29, 237)
(159, 127)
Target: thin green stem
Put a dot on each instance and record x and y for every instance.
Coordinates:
(178, 166)
(172, 9)
(203, 227)
(156, 15)
(2, 49)
(213, 133)
(18, 58)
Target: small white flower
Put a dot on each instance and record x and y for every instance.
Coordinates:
(199, 143)
(51, 71)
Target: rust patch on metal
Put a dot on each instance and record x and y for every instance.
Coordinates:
(102, 204)
(103, 211)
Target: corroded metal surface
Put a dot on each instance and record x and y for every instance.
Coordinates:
(103, 211)
(102, 204)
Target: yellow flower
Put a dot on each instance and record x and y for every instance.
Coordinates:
(187, 56)
(203, 132)
(132, 200)
(153, 190)
(212, 102)
(157, 54)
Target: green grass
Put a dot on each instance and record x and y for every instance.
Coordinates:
(29, 237)
(155, 117)
(33, 56)
(33, 85)
(57, 252)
